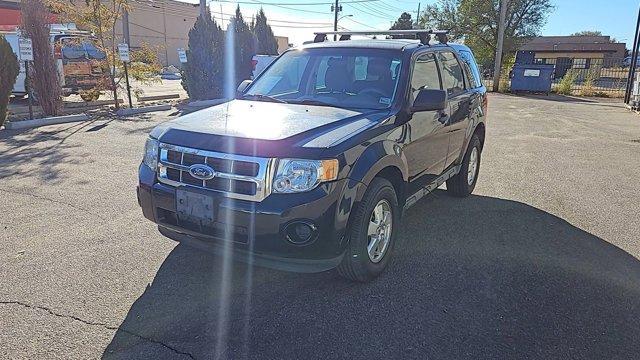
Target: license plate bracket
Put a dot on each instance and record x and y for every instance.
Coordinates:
(195, 207)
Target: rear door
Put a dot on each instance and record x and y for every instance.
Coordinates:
(426, 151)
(459, 104)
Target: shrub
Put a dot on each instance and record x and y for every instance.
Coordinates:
(589, 80)
(565, 85)
(9, 70)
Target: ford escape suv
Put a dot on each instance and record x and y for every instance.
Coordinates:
(312, 165)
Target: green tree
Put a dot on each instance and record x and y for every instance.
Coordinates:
(9, 70)
(593, 33)
(244, 47)
(266, 41)
(404, 22)
(587, 33)
(203, 72)
(476, 21)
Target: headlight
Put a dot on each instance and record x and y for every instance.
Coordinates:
(296, 175)
(151, 153)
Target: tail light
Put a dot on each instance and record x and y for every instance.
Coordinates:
(57, 51)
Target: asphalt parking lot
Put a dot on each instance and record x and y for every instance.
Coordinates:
(541, 262)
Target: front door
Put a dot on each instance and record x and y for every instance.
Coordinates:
(426, 151)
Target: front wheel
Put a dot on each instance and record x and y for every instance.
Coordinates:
(372, 233)
(463, 183)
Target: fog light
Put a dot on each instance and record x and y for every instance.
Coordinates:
(300, 232)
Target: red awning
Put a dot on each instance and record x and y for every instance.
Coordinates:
(10, 17)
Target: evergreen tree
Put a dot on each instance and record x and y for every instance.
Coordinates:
(404, 22)
(203, 73)
(9, 69)
(266, 41)
(244, 47)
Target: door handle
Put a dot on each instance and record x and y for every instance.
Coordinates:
(443, 117)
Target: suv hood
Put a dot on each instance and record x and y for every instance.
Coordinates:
(265, 125)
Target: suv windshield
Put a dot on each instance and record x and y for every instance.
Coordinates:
(349, 78)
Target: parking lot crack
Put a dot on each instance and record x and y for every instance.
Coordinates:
(93, 323)
(47, 199)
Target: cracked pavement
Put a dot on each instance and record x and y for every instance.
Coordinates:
(540, 263)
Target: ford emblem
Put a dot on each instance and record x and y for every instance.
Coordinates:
(201, 171)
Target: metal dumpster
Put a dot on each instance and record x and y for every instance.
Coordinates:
(532, 78)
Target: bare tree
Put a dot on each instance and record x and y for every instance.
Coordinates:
(36, 20)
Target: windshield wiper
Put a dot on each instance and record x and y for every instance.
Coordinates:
(262, 97)
(313, 102)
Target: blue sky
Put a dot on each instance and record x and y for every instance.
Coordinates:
(613, 17)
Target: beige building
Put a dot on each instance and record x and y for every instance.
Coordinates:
(165, 24)
(162, 24)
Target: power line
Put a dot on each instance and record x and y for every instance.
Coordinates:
(369, 13)
(294, 4)
(370, 8)
(388, 7)
(174, 11)
(359, 23)
(290, 8)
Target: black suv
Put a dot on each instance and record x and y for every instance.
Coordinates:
(312, 165)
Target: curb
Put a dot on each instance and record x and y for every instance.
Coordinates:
(13, 125)
(140, 110)
(75, 105)
(159, 97)
(206, 103)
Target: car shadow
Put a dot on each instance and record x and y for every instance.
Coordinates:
(472, 278)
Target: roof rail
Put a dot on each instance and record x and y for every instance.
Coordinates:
(422, 34)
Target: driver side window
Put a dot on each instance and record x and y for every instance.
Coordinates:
(425, 74)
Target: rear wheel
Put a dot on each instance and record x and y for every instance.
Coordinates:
(372, 233)
(463, 183)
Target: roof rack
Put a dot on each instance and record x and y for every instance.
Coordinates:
(422, 34)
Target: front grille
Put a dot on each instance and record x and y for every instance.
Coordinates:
(236, 176)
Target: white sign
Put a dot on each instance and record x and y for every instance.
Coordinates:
(531, 72)
(123, 52)
(182, 55)
(25, 49)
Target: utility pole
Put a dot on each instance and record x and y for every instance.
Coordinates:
(203, 7)
(418, 17)
(498, 61)
(335, 8)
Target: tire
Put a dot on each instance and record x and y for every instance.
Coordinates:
(357, 264)
(459, 185)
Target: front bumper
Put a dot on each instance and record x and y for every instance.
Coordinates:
(255, 231)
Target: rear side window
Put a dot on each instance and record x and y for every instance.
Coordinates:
(452, 78)
(425, 74)
(470, 62)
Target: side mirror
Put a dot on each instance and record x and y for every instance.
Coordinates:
(429, 100)
(242, 87)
